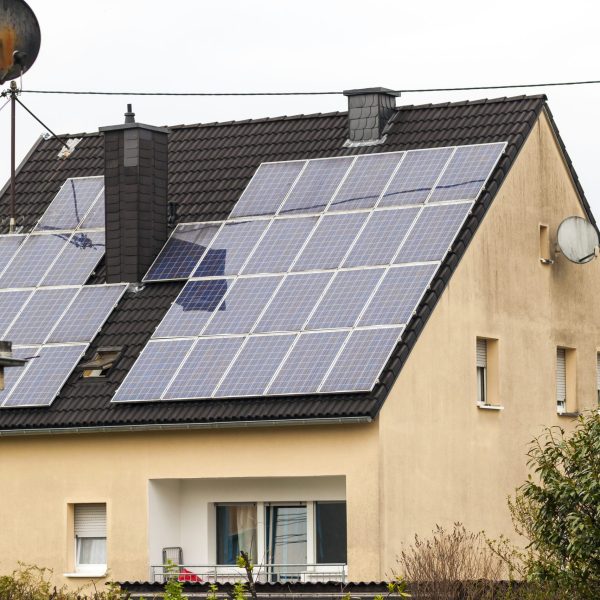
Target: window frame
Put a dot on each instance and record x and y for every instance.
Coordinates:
(89, 569)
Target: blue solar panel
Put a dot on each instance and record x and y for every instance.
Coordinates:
(379, 241)
(330, 242)
(87, 313)
(362, 360)
(13, 374)
(153, 370)
(45, 376)
(293, 302)
(183, 250)
(366, 181)
(9, 244)
(398, 295)
(307, 363)
(204, 367)
(433, 233)
(71, 204)
(267, 189)
(11, 303)
(414, 180)
(255, 366)
(467, 172)
(230, 248)
(96, 216)
(40, 315)
(243, 304)
(280, 245)
(345, 299)
(316, 185)
(77, 260)
(194, 306)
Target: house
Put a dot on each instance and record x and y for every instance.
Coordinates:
(106, 477)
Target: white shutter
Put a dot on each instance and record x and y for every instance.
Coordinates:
(90, 520)
(598, 372)
(481, 352)
(561, 378)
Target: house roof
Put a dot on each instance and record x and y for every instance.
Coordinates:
(209, 167)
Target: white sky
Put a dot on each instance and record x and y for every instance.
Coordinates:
(279, 45)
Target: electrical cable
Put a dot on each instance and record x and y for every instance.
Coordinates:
(56, 137)
(4, 105)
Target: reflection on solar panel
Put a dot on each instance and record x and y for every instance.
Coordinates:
(47, 373)
(312, 294)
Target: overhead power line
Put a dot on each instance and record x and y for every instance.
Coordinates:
(317, 93)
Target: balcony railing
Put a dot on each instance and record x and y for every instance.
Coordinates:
(265, 573)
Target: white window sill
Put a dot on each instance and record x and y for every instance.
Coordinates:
(565, 413)
(86, 574)
(490, 407)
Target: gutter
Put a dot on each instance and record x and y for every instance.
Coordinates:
(185, 426)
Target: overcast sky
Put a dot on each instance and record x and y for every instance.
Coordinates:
(280, 45)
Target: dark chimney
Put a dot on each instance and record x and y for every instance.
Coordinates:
(135, 177)
(369, 110)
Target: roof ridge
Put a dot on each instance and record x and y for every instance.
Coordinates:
(499, 99)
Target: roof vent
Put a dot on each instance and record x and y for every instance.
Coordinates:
(129, 115)
(369, 111)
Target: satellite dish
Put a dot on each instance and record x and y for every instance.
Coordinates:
(19, 39)
(578, 240)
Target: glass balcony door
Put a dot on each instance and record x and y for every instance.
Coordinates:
(286, 533)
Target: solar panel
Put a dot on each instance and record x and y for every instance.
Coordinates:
(45, 376)
(416, 176)
(267, 189)
(87, 313)
(40, 315)
(71, 204)
(13, 374)
(95, 218)
(194, 306)
(293, 302)
(9, 244)
(467, 172)
(230, 248)
(379, 241)
(32, 260)
(153, 370)
(242, 306)
(345, 299)
(280, 245)
(204, 367)
(183, 250)
(307, 363)
(366, 181)
(255, 365)
(330, 242)
(316, 185)
(11, 302)
(360, 363)
(398, 295)
(433, 233)
(77, 260)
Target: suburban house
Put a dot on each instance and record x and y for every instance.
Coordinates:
(305, 337)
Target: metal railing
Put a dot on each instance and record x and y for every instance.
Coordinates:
(264, 573)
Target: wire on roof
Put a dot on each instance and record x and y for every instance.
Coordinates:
(325, 93)
(4, 105)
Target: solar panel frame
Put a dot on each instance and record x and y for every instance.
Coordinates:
(10, 311)
(9, 245)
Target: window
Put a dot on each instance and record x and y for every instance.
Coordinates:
(561, 380)
(482, 397)
(598, 377)
(330, 529)
(236, 531)
(545, 257)
(90, 537)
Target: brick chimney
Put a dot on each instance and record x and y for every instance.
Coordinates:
(135, 176)
(369, 110)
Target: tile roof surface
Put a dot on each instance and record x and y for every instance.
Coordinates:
(209, 167)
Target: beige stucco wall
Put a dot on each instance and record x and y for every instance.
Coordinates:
(443, 459)
(431, 457)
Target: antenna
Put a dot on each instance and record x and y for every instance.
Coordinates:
(20, 39)
(578, 240)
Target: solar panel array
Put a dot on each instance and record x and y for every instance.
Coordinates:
(307, 287)
(46, 311)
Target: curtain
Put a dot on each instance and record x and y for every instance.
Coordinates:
(91, 551)
(236, 531)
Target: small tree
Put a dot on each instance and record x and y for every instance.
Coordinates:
(558, 509)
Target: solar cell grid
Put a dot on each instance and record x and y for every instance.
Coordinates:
(184, 248)
(316, 185)
(12, 375)
(153, 370)
(11, 302)
(95, 218)
(194, 306)
(231, 247)
(267, 189)
(366, 181)
(359, 365)
(9, 244)
(416, 176)
(203, 368)
(42, 381)
(433, 233)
